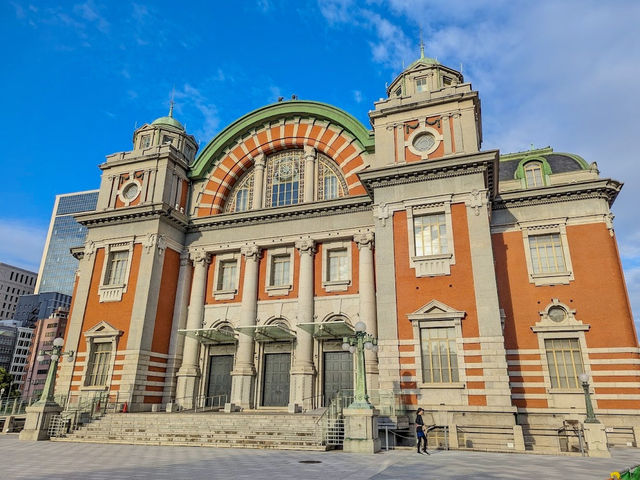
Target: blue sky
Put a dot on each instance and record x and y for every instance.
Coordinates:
(79, 76)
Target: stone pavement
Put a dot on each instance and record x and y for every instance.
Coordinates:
(62, 460)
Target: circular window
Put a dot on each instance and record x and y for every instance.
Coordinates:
(424, 142)
(130, 191)
(557, 314)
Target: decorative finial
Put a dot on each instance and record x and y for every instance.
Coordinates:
(421, 45)
(171, 103)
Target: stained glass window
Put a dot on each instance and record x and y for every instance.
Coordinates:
(285, 179)
(241, 198)
(330, 182)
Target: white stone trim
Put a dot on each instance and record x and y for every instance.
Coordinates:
(220, 294)
(336, 285)
(275, 290)
(113, 293)
(424, 128)
(431, 315)
(100, 333)
(558, 225)
(131, 181)
(569, 324)
(431, 265)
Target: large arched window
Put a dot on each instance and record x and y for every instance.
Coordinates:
(284, 182)
(285, 179)
(330, 182)
(242, 197)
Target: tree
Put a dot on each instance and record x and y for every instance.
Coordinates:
(6, 383)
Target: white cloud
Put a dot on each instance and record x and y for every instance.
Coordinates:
(193, 98)
(22, 243)
(357, 96)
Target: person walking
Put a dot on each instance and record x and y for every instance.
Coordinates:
(421, 432)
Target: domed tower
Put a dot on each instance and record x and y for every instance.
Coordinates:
(429, 112)
(125, 296)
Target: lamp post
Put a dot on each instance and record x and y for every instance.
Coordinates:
(357, 343)
(55, 353)
(591, 417)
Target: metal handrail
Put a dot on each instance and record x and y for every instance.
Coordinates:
(202, 403)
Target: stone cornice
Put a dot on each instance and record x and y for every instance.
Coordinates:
(157, 152)
(385, 111)
(606, 189)
(269, 215)
(450, 166)
(134, 214)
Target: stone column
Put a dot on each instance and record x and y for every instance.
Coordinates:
(258, 181)
(303, 371)
(309, 172)
(179, 321)
(243, 374)
(367, 302)
(189, 373)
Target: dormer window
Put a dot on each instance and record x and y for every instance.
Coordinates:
(167, 139)
(533, 174)
(421, 84)
(398, 92)
(446, 81)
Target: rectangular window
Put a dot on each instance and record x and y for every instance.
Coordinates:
(421, 84)
(446, 81)
(430, 234)
(167, 139)
(565, 362)
(337, 265)
(330, 187)
(280, 267)
(439, 357)
(116, 268)
(98, 367)
(227, 275)
(546, 253)
(145, 141)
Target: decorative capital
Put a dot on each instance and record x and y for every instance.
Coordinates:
(251, 252)
(152, 240)
(307, 246)
(259, 161)
(184, 258)
(382, 212)
(89, 249)
(200, 257)
(364, 240)
(309, 153)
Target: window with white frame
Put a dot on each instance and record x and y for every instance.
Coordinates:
(431, 248)
(337, 265)
(115, 271)
(533, 174)
(280, 270)
(564, 359)
(430, 234)
(546, 253)
(116, 267)
(99, 364)
(227, 274)
(439, 355)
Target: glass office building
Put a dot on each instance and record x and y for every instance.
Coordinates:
(58, 266)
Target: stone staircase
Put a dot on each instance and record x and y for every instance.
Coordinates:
(207, 429)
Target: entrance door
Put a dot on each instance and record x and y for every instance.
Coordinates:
(338, 374)
(275, 392)
(219, 379)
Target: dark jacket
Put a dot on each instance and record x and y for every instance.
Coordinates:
(419, 423)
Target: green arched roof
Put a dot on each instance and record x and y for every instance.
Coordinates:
(168, 121)
(287, 108)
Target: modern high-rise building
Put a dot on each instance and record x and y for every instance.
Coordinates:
(58, 266)
(14, 282)
(39, 305)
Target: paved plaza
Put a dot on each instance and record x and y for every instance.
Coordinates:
(63, 460)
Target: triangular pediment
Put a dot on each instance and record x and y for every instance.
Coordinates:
(103, 329)
(434, 310)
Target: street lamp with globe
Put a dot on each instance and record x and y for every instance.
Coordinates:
(54, 354)
(357, 343)
(591, 417)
